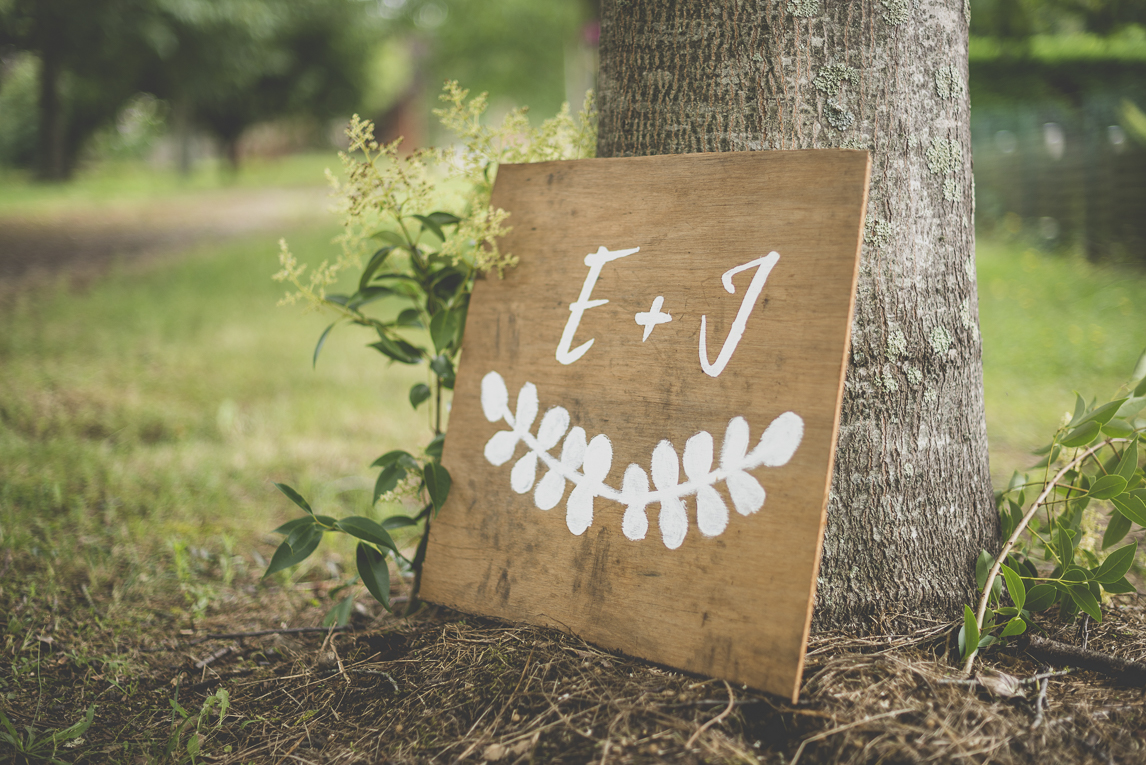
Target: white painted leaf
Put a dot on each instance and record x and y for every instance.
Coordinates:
(579, 509)
(553, 426)
(598, 458)
(573, 452)
(635, 524)
(698, 456)
(494, 396)
(779, 441)
(499, 449)
(746, 492)
(666, 467)
(673, 521)
(735, 444)
(524, 473)
(711, 512)
(526, 408)
(549, 491)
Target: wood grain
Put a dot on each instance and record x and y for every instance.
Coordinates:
(737, 605)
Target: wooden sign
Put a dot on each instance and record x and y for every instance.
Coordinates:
(645, 416)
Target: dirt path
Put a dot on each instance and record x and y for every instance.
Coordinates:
(86, 239)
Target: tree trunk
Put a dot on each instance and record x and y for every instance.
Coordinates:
(911, 503)
(52, 160)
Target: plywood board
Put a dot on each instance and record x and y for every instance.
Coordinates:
(644, 423)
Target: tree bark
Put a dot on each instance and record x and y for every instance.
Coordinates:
(911, 502)
(52, 159)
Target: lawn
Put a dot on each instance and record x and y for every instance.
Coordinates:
(145, 415)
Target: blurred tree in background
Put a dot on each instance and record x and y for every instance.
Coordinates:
(222, 66)
(1060, 158)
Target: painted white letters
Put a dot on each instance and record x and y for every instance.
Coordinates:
(763, 267)
(596, 261)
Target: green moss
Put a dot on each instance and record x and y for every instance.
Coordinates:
(838, 115)
(914, 376)
(940, 341)
(944, 156)
(877, 233)
(804, 8)
(897, 11)
(948, 83)
(897, 344)
(829, 78)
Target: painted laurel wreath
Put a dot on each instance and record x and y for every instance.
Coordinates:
(585, 464)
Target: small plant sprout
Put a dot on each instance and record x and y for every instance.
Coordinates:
(1090, 475)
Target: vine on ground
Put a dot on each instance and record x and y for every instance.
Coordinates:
(425, 228)
(1087, 495)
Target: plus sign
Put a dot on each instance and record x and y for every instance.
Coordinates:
(652, 317)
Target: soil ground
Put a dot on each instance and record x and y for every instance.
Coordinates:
(84, 242)
(444, 687)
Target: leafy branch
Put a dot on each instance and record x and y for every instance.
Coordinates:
(423, 224)
(1098, 448)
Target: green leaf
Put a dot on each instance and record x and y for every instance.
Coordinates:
(1116, 564)
(294, 496)
(443, 368)
(1086, 601)
(389, 236)
(388, 479)
(1116, 529)
(418, 394)
(300, 536)
(1064, 545)
(375, 573)
(1041, 597)
(1104, 413)
(1140, 388)
(398, 522)
(969, 636)
(983, 566)
(1082, 435)
(376, 261)
(1132, 507)
(1050, 457)
(1015, 626)
(321, 341)
(337, 299)
(1121, 587)
(286, 556)
(1108, 486)
(444, 329)
(1079, 408)
(193, 744)
(389, 458)
(368, 295)
(444, 218)
(410, 317)
(437, 484)
(398, 350)
(368, 530)
(289, 526)
(1117, 428)
(340, 614)
(1076, 574)
(434, 448)
(1129, 462)
(1015, 587)
(76, 730)
(431, 225)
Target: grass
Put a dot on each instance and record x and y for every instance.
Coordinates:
(132, 181)
(157, 407)
(1051, 325)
